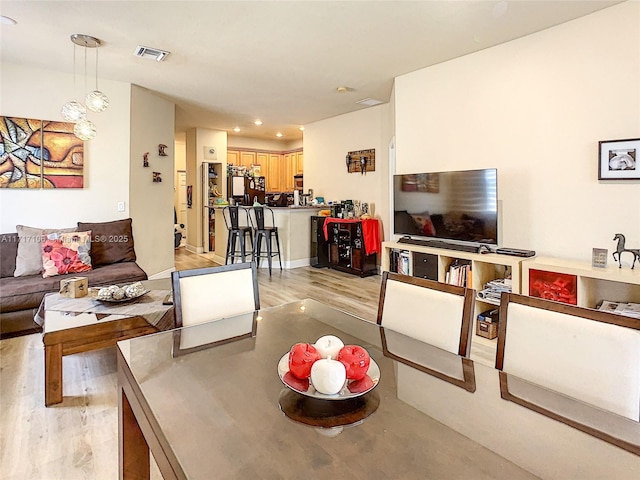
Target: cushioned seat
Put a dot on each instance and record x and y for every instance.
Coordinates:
(18, 293)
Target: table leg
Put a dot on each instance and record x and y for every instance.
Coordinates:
(134, 450)
(52, 374)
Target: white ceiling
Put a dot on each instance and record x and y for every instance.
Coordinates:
(234, 61)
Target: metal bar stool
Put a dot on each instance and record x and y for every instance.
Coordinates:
(237, 233)
(268, 232)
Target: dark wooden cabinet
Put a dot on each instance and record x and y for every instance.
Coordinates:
(346, 249)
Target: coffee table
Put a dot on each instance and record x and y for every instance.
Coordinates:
(74, 325)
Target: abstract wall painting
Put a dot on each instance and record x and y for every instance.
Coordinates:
(40, 154)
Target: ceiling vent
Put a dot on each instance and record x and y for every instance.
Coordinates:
(151, 53)
(369, 102)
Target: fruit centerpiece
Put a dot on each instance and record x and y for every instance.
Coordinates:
(329, 369)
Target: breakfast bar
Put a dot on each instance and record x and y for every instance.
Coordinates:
(293, 229)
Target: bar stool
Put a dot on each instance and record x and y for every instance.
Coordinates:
(268, 232)
(237, 233)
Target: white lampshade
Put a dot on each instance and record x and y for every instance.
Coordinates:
(73, 111)
(85, 130)
(97, 101)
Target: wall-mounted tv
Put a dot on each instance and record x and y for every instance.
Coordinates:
(458, 205)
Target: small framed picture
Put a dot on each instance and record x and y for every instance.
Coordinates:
(599, 257)
(618, 159)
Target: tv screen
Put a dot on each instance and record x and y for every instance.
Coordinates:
(459, 206)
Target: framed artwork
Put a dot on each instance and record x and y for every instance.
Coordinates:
(40, 154)
(618, 159)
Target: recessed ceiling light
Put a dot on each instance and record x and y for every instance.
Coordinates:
(278, 134)
(342, 89)
(369, 102)
(7, 20)
(258, 122)
(236, 129)
(301, 128)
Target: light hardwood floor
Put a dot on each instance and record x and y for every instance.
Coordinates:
(78, 439)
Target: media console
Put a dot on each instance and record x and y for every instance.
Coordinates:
(439, 244)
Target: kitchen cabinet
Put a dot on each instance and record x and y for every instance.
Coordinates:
(273, 173)
(299, 163)
(278, 168)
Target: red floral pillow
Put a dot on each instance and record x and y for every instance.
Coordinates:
(64, 253)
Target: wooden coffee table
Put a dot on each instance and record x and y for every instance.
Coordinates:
(81, 325)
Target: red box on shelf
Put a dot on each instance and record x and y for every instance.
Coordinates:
(559, 287)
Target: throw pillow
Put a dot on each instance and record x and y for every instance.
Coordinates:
(424, 224)
(64, 253)
(29, 257)
(111, 242)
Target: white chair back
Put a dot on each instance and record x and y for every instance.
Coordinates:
(573, 351)
(207, 294)
(435, 313)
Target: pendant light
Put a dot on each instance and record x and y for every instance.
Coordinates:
(96, 101)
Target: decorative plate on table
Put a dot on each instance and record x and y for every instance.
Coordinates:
(351, 388)
(93, 293)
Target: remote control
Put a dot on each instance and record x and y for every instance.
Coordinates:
(516, 252)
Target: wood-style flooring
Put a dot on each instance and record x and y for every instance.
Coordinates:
(78, 439)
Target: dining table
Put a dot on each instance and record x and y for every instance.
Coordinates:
(213, 401)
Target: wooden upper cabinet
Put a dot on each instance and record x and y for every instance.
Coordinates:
(247, 159)
(289, 171)
(299, 163)
(262, 159)
(273, 173)
(233, 157)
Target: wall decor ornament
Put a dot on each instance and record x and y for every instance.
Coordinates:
(156, 177)
(40, 154)
(361, 161)
(618, 159)
(145, 159)
(621, 248)
(161, 150)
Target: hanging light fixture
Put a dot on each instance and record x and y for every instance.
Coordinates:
(96, 101)
(85, 129)
(73, 111)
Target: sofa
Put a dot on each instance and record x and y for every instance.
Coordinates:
(24, 280)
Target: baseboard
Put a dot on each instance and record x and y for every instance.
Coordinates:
(164, 274)
(192, 249)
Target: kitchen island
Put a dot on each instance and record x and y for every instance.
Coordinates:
(294, 229)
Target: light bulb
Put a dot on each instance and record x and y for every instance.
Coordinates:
(85, 130)
(97, 101)
(73, 111)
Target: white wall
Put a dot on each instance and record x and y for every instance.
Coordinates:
(326, 144)
(152, 123)
(35, 93)
(536, 108)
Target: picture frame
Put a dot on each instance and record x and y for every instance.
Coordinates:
(618, 159)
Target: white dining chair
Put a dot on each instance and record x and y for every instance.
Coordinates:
(435, 313)
(206, 294)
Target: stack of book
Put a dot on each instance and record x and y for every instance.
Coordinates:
(621, 308)
(492, 290)
(459, 273)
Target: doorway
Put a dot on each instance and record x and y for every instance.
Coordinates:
(181, 206)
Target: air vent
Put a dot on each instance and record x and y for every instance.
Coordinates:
(151, 53)
(369, 102)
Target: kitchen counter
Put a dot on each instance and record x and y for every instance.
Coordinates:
(294, 229)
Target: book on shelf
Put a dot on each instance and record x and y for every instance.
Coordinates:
(459, 273)
(403, 263)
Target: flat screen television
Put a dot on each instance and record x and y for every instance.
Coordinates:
(457, 206)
